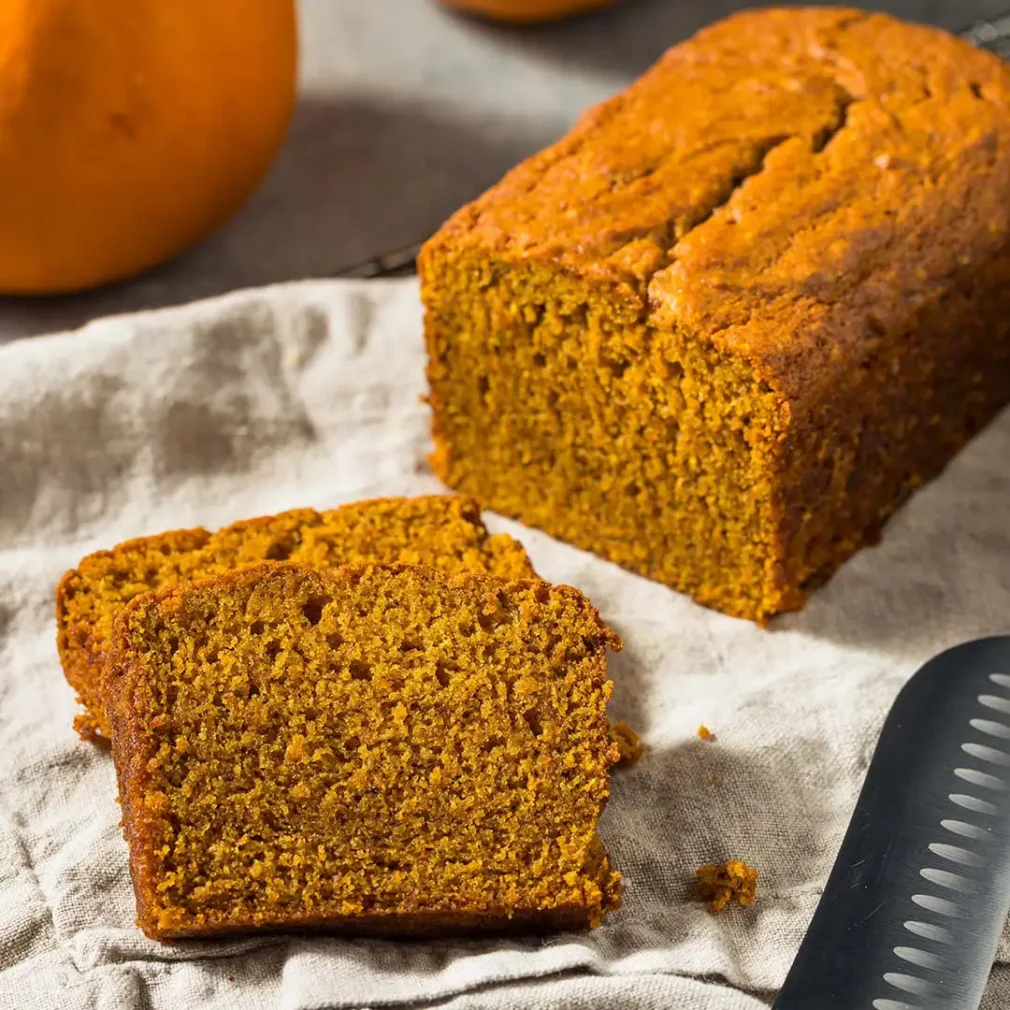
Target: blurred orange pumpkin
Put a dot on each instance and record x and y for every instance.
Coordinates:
(526, 11)
(130, 129)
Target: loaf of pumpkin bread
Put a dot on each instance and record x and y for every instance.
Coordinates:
(723, 328)
(380, 749)
(444, 531)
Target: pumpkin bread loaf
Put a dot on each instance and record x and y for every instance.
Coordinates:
(723, 328)
(382, 749)
(440, 530)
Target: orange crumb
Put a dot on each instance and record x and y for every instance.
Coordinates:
(704, 733)
(304, 685)
(444, 531)
(629, 743)
(731, 881)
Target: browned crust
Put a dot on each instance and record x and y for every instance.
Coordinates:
(411, 926)
(643, 196)
(124, 685)
(81, 655)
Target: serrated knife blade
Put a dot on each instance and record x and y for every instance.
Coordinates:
(920, 891)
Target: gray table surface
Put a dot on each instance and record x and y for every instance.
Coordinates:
(407, 111)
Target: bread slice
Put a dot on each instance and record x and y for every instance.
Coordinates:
(440, 530)
(377, 749)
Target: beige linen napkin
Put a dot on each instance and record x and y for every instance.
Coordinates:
(307, 394)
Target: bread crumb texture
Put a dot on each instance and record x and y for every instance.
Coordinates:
(629, 743)
(724, 327)
(444, 531)
(721, 885)
(375, 748)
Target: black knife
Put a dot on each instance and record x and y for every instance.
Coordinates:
(920, 891)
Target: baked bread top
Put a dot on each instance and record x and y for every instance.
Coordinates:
(790, 185)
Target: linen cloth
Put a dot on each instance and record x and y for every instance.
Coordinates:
(308, 394)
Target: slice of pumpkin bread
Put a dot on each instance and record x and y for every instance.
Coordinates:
(721, 330)
(380, 749)
(440, 530)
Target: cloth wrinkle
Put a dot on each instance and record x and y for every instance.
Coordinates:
(309, 395)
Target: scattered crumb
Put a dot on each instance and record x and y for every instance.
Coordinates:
(732, 881)
(629, 743)
(715, 780)
(704, 733)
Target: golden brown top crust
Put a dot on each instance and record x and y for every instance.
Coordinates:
(790, 183)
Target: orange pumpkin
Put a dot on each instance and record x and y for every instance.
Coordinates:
(526, 11)
(129, 129)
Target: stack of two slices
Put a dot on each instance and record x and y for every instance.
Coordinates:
(375, 719)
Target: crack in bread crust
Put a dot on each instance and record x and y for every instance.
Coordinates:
(723, 329)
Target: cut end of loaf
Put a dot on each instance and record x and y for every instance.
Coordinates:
(376, 749)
